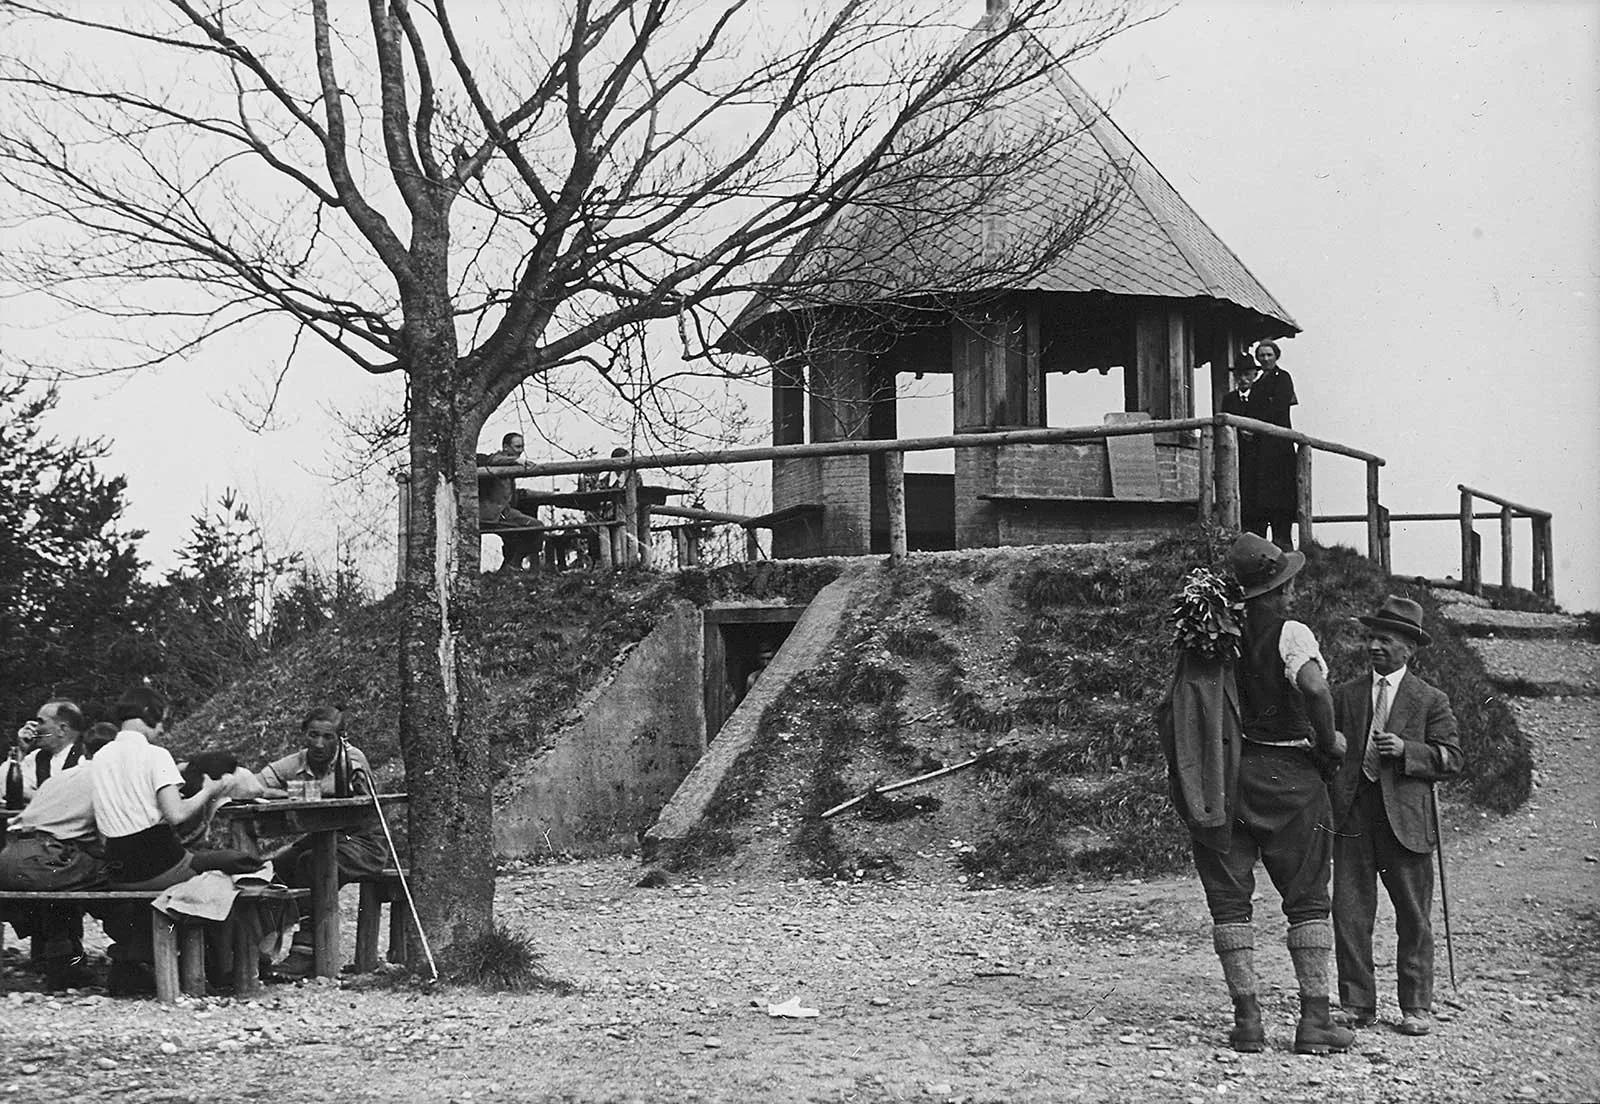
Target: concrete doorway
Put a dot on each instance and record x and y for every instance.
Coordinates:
(739, 641)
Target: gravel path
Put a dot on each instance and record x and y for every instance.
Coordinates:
(925, 991)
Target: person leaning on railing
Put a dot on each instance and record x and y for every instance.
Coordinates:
(1268, 484)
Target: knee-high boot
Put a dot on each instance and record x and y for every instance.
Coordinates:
(1309, 946)
(1236, 948)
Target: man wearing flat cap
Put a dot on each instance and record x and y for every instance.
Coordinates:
(1280, 816)
(1402, 738)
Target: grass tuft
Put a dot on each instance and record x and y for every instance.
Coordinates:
(502, 961)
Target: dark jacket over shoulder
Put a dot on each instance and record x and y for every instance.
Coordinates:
(1420, 715)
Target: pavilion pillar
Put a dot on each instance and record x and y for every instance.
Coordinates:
(997, 378)
(841, 372)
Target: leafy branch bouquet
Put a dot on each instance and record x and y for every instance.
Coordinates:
(1207, 615)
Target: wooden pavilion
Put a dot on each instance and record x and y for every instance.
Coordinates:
(1146, 289)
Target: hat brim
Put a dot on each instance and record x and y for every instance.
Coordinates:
(1288, 569)
(1404, 628)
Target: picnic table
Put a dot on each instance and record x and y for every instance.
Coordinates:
(624, 510)
(322, 820)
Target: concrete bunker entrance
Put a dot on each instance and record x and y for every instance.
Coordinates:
(739, 642)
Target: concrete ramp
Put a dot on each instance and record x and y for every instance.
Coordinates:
(804, 648)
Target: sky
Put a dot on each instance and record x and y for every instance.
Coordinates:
(1419, 184)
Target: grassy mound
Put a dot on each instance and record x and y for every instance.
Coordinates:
(547, 639)
(1058, 656)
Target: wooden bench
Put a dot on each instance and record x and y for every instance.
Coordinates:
(1084, 500)
(180, 941)
(561, 540)
(377, 891)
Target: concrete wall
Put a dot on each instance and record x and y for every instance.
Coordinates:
(610, 773)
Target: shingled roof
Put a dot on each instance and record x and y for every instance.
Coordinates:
(1147, 242)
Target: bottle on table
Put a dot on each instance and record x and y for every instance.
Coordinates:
(14, 799)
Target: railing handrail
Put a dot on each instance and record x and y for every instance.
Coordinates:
(976, 439)
(1521, 510)
(1267, 429)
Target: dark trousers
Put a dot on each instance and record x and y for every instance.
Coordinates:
(1281, 817)
(1366, 852)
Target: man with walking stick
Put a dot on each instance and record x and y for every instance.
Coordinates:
(1402, 739)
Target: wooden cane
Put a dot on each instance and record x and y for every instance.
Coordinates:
(1444, 889)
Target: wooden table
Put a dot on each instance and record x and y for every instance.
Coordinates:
(628, 502)
(323, 821)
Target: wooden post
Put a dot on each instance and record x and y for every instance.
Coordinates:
(752, 545)
(606, 539)
(192, 959)
(1383, 541)
(647, 554)
(325, 902)
(894, 486)
(1477, 564)
(680, 542)
(164, 938)
(1545, 544)
(1505, 548)
(1208, 465)
(369, 918)
(631, 547)
(1466, 540)
(402, 482)
(691, 544)
(1227, 477)
(1302, 509)
(244, 932)
(1374, 527)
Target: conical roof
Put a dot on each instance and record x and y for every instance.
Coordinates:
(1147, 242)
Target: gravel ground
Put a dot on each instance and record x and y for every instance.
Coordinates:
(924, 991)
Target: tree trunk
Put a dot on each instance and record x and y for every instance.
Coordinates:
(446, 750)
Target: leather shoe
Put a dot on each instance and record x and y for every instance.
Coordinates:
(1355, 1017)
(131, 979)
(67, 973)
(1416, 1021)
(300, 964)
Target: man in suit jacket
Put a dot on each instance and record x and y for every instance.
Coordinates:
(1402, 738)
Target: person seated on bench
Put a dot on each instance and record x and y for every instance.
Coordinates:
(502, 506)
(56, 739)
(362, 853)
(138, 808)
(52, 846)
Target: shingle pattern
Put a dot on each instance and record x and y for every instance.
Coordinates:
(896, 240)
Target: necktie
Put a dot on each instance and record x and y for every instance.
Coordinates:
(1380, 718)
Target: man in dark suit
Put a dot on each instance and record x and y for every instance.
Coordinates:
(1402, 738)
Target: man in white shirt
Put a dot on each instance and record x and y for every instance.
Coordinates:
(1403, 738)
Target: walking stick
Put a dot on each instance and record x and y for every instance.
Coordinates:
(1444, 889)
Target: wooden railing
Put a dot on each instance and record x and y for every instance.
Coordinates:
(1218, 499)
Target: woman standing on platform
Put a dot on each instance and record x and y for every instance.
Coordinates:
(1268, 483)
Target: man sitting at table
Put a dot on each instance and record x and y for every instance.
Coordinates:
(502, 506)
(361, 853)
(52, 846)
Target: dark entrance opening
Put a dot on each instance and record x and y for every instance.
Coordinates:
(739, 642)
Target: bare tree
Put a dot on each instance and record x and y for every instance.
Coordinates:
(475, 202)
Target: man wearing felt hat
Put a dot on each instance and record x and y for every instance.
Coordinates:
(1280, 814)
(1402, 738)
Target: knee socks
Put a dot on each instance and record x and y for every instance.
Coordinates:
(1236, 947)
